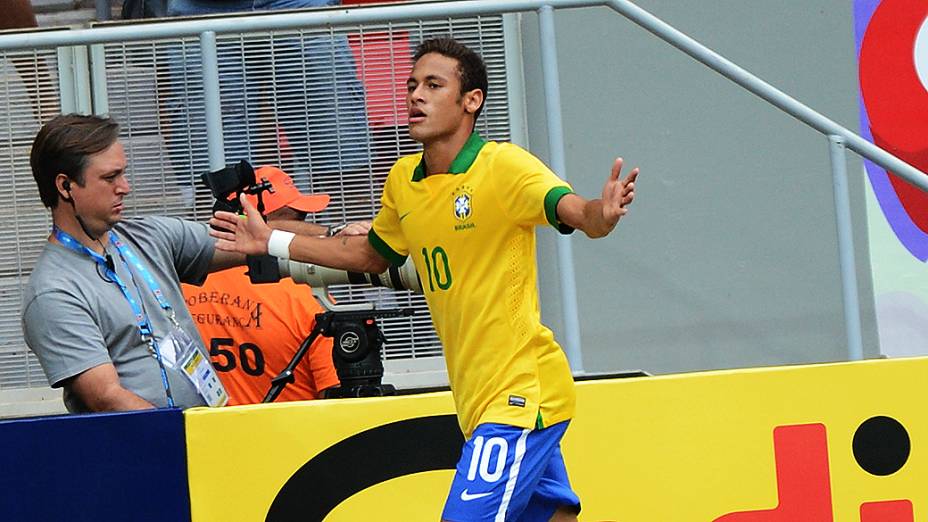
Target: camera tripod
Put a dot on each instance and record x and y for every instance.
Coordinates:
(355, 353)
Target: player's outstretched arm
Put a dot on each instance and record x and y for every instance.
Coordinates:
(597, 217)
(357, 228)
(303, 228)
(249, 234)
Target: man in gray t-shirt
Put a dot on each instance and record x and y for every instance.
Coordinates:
(97, 271)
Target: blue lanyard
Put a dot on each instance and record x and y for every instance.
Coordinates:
(141, 318)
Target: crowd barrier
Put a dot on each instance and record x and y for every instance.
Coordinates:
(817, 443)
(94, 468)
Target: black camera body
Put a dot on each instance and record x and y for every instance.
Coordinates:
(227, 183)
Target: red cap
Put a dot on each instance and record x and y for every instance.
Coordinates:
(285, 193)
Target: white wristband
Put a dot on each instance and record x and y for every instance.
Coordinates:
(278, 245)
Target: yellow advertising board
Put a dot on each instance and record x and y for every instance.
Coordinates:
(819, 443)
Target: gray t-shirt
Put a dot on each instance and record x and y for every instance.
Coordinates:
(74, 319)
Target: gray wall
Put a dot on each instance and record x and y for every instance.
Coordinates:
(729, 256)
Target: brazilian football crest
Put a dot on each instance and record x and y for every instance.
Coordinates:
(463, 208)
(463, 205)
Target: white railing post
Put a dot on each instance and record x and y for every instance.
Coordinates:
(855, 350)
(565, 252)
(212, 100)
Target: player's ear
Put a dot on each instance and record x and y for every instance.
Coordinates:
(473, 100)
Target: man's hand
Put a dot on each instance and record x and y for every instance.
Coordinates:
(246, 234)
(618, 193)
(598, 217)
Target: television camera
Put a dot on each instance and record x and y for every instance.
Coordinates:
(357, 337)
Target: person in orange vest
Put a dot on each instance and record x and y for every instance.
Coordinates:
(252, 331)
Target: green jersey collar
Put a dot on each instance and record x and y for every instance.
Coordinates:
(462, 161)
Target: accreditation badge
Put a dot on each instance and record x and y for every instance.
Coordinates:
(198, 369)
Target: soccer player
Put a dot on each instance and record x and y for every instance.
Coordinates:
(465, 209)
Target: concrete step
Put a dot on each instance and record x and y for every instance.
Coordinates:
(66, 18)
(51, 6)
(28, 402)
(67, 13)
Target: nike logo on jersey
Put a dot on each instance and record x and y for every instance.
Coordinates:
(465, 496)
(404, 215)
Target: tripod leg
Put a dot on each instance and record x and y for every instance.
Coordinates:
(286, 376)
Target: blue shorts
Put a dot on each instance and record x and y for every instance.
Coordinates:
(510, 474)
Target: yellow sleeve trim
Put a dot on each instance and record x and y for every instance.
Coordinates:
(382, 248)
(551, 199)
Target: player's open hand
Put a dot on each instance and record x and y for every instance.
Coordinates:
(618, 193)
(246, 234)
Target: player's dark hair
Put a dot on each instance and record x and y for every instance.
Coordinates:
(63, 146)
(471, 69)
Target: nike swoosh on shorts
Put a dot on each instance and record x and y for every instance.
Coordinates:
(465, 496)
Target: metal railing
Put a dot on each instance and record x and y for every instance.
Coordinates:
(839, 138)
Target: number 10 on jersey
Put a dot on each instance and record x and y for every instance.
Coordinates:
(438, 268)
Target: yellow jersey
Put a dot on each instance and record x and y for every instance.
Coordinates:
(471, 234)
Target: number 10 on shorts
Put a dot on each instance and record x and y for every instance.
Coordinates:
(480, 460)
